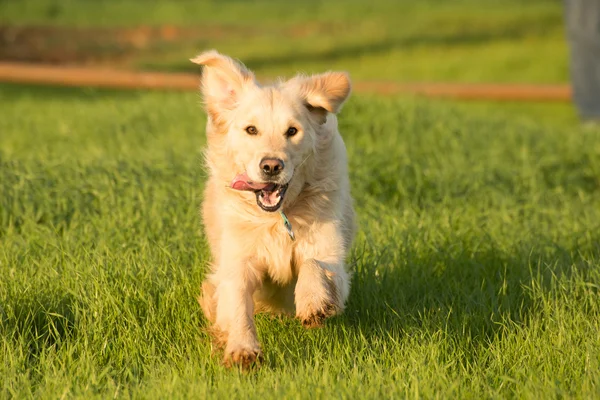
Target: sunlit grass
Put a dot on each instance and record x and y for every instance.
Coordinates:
(476, 262)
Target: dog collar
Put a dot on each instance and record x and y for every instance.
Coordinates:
(288, 225)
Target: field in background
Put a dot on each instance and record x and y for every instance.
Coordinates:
(458, 41)
(477, 261)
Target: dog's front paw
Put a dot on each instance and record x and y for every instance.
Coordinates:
(316, 295)
(315, 316)
(244, 357)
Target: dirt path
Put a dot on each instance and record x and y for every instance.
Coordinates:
(95, 77)
(120, 79)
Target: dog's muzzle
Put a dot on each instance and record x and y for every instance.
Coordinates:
(269, 195)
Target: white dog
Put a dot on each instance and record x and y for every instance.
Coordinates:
(277, 208)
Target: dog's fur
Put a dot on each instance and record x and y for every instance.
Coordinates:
(256, 265)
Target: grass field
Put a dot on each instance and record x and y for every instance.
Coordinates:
(476, 266)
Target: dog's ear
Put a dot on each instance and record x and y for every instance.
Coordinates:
(324, 93)
(223, 81)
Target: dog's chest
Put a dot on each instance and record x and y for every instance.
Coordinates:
(274, 251)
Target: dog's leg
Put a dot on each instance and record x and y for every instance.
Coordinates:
(323, 283)
(207, 300)
(234, 316)
(321, 291)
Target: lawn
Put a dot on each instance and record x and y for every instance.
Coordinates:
(477, 261)
(476, 265)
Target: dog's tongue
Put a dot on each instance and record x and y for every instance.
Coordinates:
(243, 182)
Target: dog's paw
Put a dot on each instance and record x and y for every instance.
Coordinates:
(244, 357)
(316, 317)
(316, 295)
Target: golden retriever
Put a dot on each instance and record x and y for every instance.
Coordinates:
(277, 209)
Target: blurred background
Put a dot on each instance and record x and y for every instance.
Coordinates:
(492, 41)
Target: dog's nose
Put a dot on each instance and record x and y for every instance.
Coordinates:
(271, 166)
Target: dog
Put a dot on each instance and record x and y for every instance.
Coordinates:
(277, 209)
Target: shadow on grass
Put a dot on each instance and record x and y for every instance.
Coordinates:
(444, 290)
(515, 30)
(385, 46)
(470, 299)
(40, 322)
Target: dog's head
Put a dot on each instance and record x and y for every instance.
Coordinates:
(262, 136)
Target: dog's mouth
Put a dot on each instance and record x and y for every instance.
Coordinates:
(269, 195)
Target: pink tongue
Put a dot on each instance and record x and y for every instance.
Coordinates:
(243, 182)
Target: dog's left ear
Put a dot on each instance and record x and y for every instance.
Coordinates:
(324, 93)
(223, 81)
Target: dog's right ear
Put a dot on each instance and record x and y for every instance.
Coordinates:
(223, 81)
(323, 93)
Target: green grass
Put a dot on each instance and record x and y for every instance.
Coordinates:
(477, 262)
(399, 40)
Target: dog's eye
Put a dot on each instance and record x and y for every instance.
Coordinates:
(291, 131)
(251, 130)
